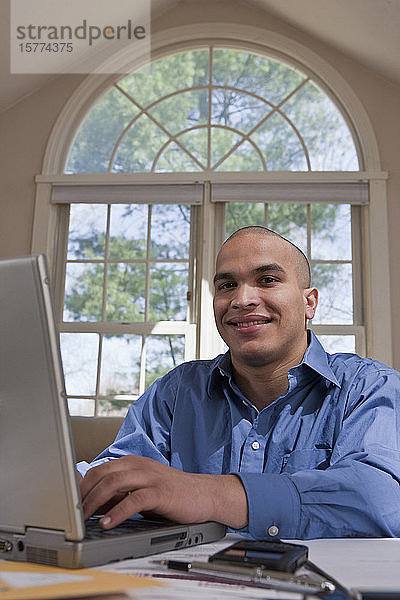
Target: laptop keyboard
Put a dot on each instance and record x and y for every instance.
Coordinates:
(95, 531)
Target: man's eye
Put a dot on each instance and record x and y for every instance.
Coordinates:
(227, 285)
(268, 279)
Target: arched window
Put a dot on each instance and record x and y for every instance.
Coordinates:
(168, 161)
(218, 109)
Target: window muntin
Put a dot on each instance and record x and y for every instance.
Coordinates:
(214, 109)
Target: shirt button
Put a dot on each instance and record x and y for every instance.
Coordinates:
(255, 445)
(273, 530)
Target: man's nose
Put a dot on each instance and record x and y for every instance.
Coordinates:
(246, 295)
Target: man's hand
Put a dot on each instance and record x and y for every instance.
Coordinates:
(135, 484)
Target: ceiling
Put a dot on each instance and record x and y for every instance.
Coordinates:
(365, 30)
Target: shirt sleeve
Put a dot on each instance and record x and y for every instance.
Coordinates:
(357, 494)
(146, 428)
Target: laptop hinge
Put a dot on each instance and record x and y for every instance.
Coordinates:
(44, 546)
(40, 533)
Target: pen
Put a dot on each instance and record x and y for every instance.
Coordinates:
(257, 576)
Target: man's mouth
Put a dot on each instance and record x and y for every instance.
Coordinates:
(244, 324)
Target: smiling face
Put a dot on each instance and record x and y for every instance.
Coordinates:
(261, 303)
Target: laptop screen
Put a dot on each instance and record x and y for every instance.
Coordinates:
(37, 472)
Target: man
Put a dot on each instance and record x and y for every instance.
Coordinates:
(276, 438)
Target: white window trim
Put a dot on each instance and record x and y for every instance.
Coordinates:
(378, 313)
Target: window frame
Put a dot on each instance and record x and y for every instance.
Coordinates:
(212, 230)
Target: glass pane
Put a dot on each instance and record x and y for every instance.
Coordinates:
(97, 136)
(242, 214)
(280, 145)
(168, 292)
(289, 220)
(170, 231)
(113, 408)
(126, 292)
(82, 407)
(83, 292)
(331, 231)
(254, 73)
(335, 285)
(120, 366)
(138, 147)
(166, 75)
(87, 230)
(175, 159)
(79, 357)
(338, 343)
(236, 110)
(182, 110)
(245, 158)
(163, 353)
(195, 142)
(327, 137)
(128, 231)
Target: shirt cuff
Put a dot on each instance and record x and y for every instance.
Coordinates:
(83, 466)
(274, 505)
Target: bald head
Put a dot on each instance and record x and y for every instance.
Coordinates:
(299, 258)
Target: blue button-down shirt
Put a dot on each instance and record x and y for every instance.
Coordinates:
(322, 460)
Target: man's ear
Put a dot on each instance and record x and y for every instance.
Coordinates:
(311, 302)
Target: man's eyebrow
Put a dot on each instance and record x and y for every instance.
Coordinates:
(219, 276)
(262, 269)
(271, 267)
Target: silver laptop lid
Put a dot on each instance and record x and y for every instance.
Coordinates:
(37, 475)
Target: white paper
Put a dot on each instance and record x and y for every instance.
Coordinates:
(360, 563)
(182, 590)
(21, 579)
(177, 587)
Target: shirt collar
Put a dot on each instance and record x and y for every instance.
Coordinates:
(315, 357)
(221, 367)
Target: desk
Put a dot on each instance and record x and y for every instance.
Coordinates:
(367, 565)
(362, 564)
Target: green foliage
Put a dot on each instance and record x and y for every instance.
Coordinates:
(125, 300)
(99, 132)
(83, 300)
(255, 73)
(243, 214)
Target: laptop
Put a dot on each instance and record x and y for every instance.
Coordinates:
(40, 507)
